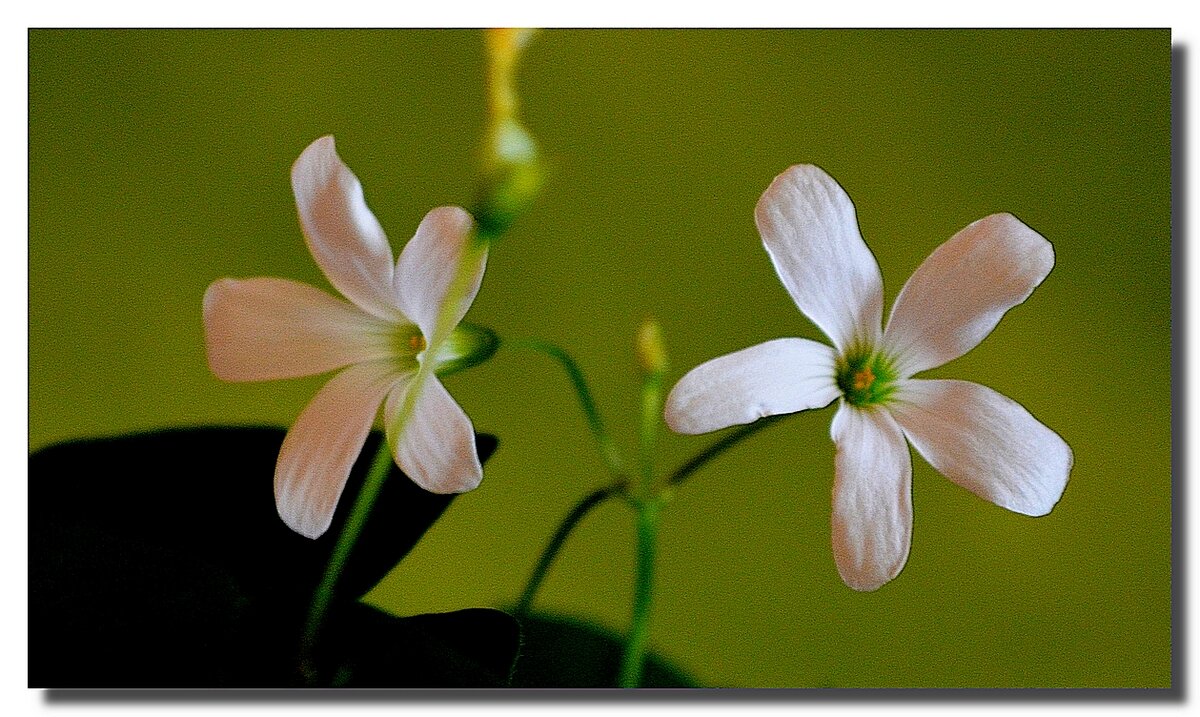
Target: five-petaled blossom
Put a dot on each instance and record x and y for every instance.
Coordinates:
(974, 436)
(266, 328)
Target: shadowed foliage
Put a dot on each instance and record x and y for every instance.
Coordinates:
(157, 560)
(559, 651)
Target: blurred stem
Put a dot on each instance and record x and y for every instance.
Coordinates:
(704, 457)
(358, 516)
(639, 632)
(581, 509)
(651, 414)
(504, 47)
(608, 449)
(511, 173)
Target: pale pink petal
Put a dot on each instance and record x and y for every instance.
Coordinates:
(872, 497)
(262, 329)
(957, 296)
(985, 442)
(779, 376)
(436, 447)
(321, 447)
(428, 264)
(810, 230)
(342, 233)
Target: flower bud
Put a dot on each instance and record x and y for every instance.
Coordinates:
(512, 177)
(468, 345)
(651, 354)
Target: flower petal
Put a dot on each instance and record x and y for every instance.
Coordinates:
(437, 446)
(957, 296)
(810, 230)
(985, 442)
(872, 497)
(779, 376)
(321, 447)
(343, 235)
(263, 329)
(428, 264)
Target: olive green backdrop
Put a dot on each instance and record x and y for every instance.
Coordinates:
(159, 162)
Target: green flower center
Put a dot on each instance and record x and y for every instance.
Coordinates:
(409, 343)
(865, 377)
(468, 345)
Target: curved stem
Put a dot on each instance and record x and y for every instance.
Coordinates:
(581, 509)
(608, 449)
(337, 560)
(703, 458)
(639, 632)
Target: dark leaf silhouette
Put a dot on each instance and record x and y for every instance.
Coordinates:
(560, 651)
(158, 560)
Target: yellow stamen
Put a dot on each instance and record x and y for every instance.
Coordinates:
(416, 342)
(863, 379)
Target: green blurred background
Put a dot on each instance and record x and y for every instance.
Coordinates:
(159, 162)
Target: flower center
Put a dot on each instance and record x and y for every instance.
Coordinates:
(409, 345)
(865, 377)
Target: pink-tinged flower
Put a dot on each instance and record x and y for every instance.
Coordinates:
(974, 436)
(266, 328)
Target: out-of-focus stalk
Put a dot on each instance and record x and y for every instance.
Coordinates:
(512, 171)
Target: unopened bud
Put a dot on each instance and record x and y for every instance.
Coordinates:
(468, 345)
(651, 355)
(512, 177)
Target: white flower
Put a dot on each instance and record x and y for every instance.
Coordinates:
(262, 329)
(974, 436)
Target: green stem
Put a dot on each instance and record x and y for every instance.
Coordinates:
(581, 509)
(608, 449)
(639, 632)
(341, 551)
(703, 458)
(647, 530)
(651, 415)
